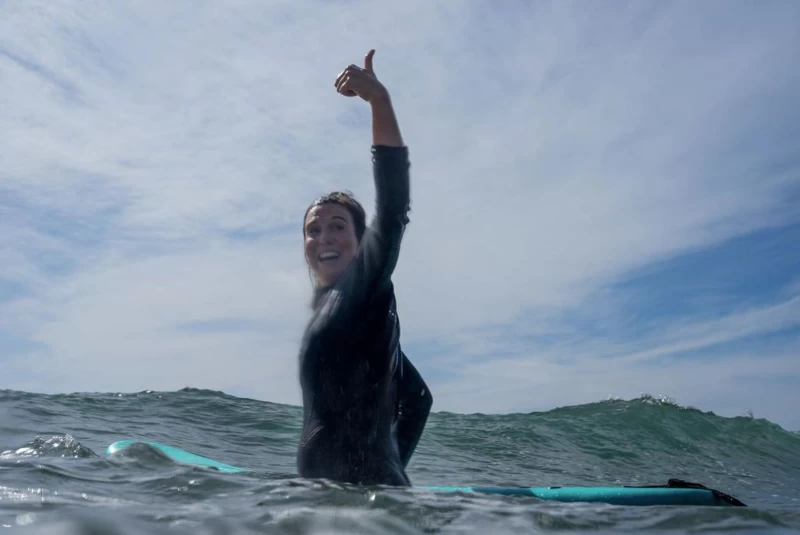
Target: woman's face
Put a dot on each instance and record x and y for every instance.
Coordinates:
(330, 241)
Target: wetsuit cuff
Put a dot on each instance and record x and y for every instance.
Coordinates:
(385, 151)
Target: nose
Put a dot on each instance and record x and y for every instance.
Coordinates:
(327, 236)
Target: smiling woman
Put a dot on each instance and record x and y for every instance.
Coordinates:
(334, 225)
(364, 404)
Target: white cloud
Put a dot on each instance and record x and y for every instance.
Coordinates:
(553, 150)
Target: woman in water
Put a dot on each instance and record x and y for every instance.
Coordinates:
(364, 405)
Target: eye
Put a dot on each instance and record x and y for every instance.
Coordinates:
(312, 231)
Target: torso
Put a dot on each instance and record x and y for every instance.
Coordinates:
(349, 395)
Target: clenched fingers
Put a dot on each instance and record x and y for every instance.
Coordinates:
(351, 69)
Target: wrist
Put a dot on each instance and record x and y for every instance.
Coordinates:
(381, 100)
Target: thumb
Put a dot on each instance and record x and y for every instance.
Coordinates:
(368, 61)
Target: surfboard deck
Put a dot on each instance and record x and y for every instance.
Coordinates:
(675, 492)
(175, 454)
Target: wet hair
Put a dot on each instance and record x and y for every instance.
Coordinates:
(347, 200)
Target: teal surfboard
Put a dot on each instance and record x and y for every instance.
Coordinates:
(176, 454)
(675, 492)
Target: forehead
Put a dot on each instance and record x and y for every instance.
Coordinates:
(324, 212)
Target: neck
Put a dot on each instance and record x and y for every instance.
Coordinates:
(319, 293)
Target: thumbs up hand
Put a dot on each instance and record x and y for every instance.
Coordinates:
(362, 82)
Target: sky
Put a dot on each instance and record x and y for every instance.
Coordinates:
(605, 196)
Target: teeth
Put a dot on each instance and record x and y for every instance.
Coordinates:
(327, 256)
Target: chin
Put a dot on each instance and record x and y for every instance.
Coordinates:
(333, 277)
(328, 278)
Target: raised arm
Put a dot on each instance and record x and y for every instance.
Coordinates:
(380, 246)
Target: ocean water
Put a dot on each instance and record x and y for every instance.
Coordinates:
(55, 477)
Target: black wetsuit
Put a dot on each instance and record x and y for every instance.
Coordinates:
(364, 404)
(414, 405)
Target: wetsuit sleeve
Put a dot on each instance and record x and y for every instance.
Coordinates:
(372, 268)
(392, 204)
(414, 404)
